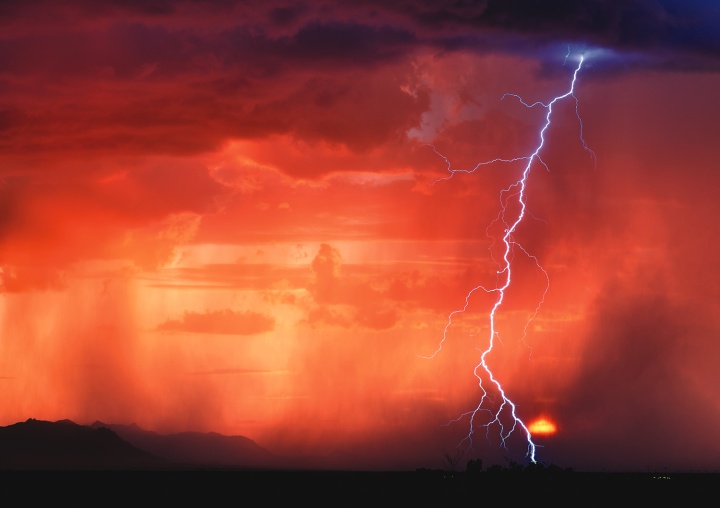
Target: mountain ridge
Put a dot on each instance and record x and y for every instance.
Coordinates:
(65, 444)
(198, 448)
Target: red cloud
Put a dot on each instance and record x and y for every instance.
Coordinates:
(14, 279)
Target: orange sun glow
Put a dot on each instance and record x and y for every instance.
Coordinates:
(542, 427)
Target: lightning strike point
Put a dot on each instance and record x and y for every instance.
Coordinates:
(504, 416)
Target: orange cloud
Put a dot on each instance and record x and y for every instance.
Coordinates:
(226, 322)
(26, 278)
(159, 157)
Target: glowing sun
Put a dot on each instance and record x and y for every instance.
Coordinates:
(542, 427)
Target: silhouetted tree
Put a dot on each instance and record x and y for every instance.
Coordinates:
(513, 467)
(450, 462)
(474, 466)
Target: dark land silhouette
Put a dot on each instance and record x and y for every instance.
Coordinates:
(38, 444)
(196, 448)
(44, 461)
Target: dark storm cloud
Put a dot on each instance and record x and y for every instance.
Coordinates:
(348, 42)
(129, 50)
(671, 33)
(236, 62)
(153, 8)
(286, 15)
(239, 79)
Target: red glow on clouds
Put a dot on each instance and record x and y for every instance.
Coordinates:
(223, 218)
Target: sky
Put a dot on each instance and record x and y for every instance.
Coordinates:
(263, 218)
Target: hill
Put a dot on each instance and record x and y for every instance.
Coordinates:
(38, 444)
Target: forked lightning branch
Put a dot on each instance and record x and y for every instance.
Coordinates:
(504, 415)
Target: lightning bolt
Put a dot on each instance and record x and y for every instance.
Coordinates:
(505, 415)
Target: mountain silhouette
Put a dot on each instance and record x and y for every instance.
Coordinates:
(39, 444)
(196, 448)
(64, 444)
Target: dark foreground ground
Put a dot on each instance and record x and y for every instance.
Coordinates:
(203, 487)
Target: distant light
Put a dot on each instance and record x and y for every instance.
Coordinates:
(542, 427)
